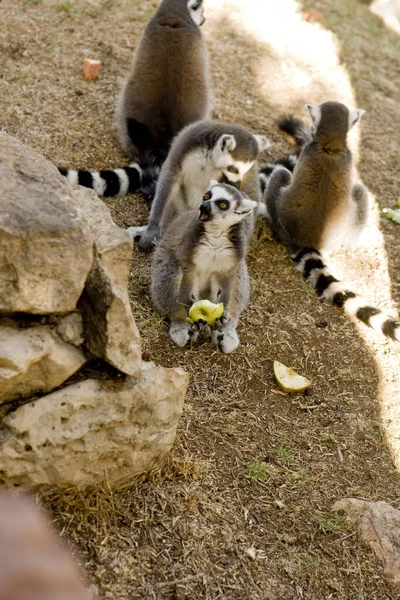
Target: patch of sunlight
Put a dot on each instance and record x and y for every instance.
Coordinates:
(389, 11)
(298, 61)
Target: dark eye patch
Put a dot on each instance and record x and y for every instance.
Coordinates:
(197, 5)
(233, 169)
(207, 196)
(222, 204)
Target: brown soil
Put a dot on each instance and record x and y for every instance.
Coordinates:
(243, 509)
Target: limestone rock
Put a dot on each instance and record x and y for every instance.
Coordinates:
(109, 328)
(379, 525)
(94, 430)
(33, 360)
(70, 328)
(46, 249)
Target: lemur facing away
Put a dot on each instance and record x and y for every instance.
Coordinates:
(167, 88)
(203, 256)
(319, 208)
(201, 152)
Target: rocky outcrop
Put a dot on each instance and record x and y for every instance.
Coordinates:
(46, 248)
(109, 329)
(379, 525)
(94, 430)
(33, 360)
(64, 273)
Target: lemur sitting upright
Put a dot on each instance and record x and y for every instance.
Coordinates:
(167, 88)
(201, 152)
(319, 208)
(202, 255)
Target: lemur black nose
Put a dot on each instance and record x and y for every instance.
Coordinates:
(205, 210)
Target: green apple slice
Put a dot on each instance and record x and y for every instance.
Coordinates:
(205, 310)
(288, 379)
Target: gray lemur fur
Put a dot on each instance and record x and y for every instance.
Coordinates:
(203, 256)
(201, 152)
(168, 86)
(319, 206)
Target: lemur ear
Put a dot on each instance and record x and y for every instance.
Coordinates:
(315, 113)
(354, 116)
(248, 204)
(262, 142)
(212, 183)
(227, 142)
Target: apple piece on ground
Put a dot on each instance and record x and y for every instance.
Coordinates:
(288, 379)
(205, 310)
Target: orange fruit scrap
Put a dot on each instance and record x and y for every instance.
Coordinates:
(91, 68)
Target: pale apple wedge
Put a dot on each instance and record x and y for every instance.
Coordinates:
(288, 379)
(205, 310)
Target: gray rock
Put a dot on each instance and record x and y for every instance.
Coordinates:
(33, 360)
(94, 430)
(70, 328)
(109, 328)
(46, 249)
(379, 525)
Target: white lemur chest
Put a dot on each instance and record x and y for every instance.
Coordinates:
(214, 255)
(196, 174)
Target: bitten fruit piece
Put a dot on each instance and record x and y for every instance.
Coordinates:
(205, 310)
(288, 379)
(91, 68)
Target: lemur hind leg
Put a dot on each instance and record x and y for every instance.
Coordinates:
(181, 332)
(359, 196)
(225, 335)
(280, 178)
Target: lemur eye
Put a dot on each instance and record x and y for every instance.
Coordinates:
(207, 196)
(223, 205)
(233, 169)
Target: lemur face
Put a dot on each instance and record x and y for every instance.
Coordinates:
(224, 159)
(195, 8)
(235, 157)
(225, 205)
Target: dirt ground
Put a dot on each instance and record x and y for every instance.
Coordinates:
(242, 510)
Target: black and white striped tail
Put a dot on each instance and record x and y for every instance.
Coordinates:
(301, 134)
(289, 162)
(118, 182)
(296, 129)
(310, 264)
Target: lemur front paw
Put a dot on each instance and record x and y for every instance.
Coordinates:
(221, 322)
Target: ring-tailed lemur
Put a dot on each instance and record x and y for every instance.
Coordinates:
(167, 88)
(319, 208)
(201, 152)
(203, 256)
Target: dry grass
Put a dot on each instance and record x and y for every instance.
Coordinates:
(243, 508)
